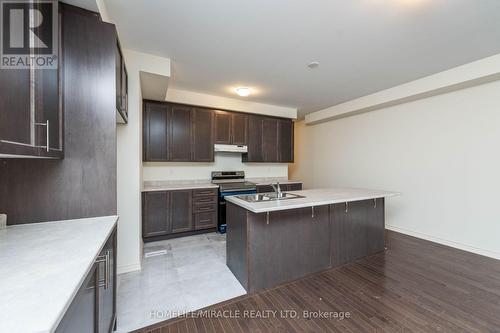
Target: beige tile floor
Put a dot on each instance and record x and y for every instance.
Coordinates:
(191, 275)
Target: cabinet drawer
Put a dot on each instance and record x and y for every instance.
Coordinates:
(205, 191)
(204, 200)
(205, 220)
(204, 208)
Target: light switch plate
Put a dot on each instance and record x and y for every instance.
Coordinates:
(3, 221)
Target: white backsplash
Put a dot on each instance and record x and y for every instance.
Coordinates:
(223, 162)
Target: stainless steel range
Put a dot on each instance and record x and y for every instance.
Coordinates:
(230, 183)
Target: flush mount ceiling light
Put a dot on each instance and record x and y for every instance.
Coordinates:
(243, 91)
(313, 65)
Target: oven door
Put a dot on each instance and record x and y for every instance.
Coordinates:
(222, 207)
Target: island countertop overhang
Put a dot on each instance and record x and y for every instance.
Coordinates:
(312, 198)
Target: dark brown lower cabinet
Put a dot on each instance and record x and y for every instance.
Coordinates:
(356, 230)
(94, 307)
(181, 218)
(170, 213)
(266, 249)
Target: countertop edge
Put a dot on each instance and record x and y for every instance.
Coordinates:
(178, 187)
(247, 206)
(87, 270)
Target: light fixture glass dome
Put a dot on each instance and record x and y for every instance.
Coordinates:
(243, 91)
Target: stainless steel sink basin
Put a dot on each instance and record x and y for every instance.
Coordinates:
(261, 197)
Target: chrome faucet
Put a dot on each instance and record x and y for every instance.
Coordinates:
(277, 189)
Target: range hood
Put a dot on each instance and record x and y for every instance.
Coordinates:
(231, 148)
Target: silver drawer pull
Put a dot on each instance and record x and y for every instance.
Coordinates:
(206, 220)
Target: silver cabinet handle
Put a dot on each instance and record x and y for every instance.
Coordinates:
(108, 269)
(47, 127)
(346, 207)
(105, 259)
(267, 218)
(312, 211)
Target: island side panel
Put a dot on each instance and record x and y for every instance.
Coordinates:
(294, 244)
(236, 242)
(357, 231)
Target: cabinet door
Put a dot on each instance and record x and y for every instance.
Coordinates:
(254, 153)
(270, 139)
(48, 115)
(180, 133)
(285, 140)
(356, 230)
(16, 123)
(203, 135)
(155, 140)
(223, 127)
(107, 285)
(181, 217)
(155, 213)
(81, 315)
(294, 244)
(239, 129)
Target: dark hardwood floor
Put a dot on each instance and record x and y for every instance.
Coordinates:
(414, 286)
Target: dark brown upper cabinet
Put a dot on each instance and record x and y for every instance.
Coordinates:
(31, 113)
(270, 140)
(202, 135)
(156, 131)
(223, 127)
(183, 133)
(255, 152)
(180, 133)
(231, 128)
(239, 129)
(121, 87)
(285, 140)
(177, 133)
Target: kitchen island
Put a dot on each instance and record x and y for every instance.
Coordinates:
(275, 241)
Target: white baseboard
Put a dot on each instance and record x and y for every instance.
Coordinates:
(446, 242)
(128, 268)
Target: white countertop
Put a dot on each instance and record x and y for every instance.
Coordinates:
(170, 185)
(272, 180)
(150, 186)
(316, 197)
(42, 266)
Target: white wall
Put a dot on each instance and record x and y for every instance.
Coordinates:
(441, 152)
(223, 162)
(129, 160)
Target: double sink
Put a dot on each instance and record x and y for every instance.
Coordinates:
(272, 196)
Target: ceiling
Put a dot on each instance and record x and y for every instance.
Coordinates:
(363, 46)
